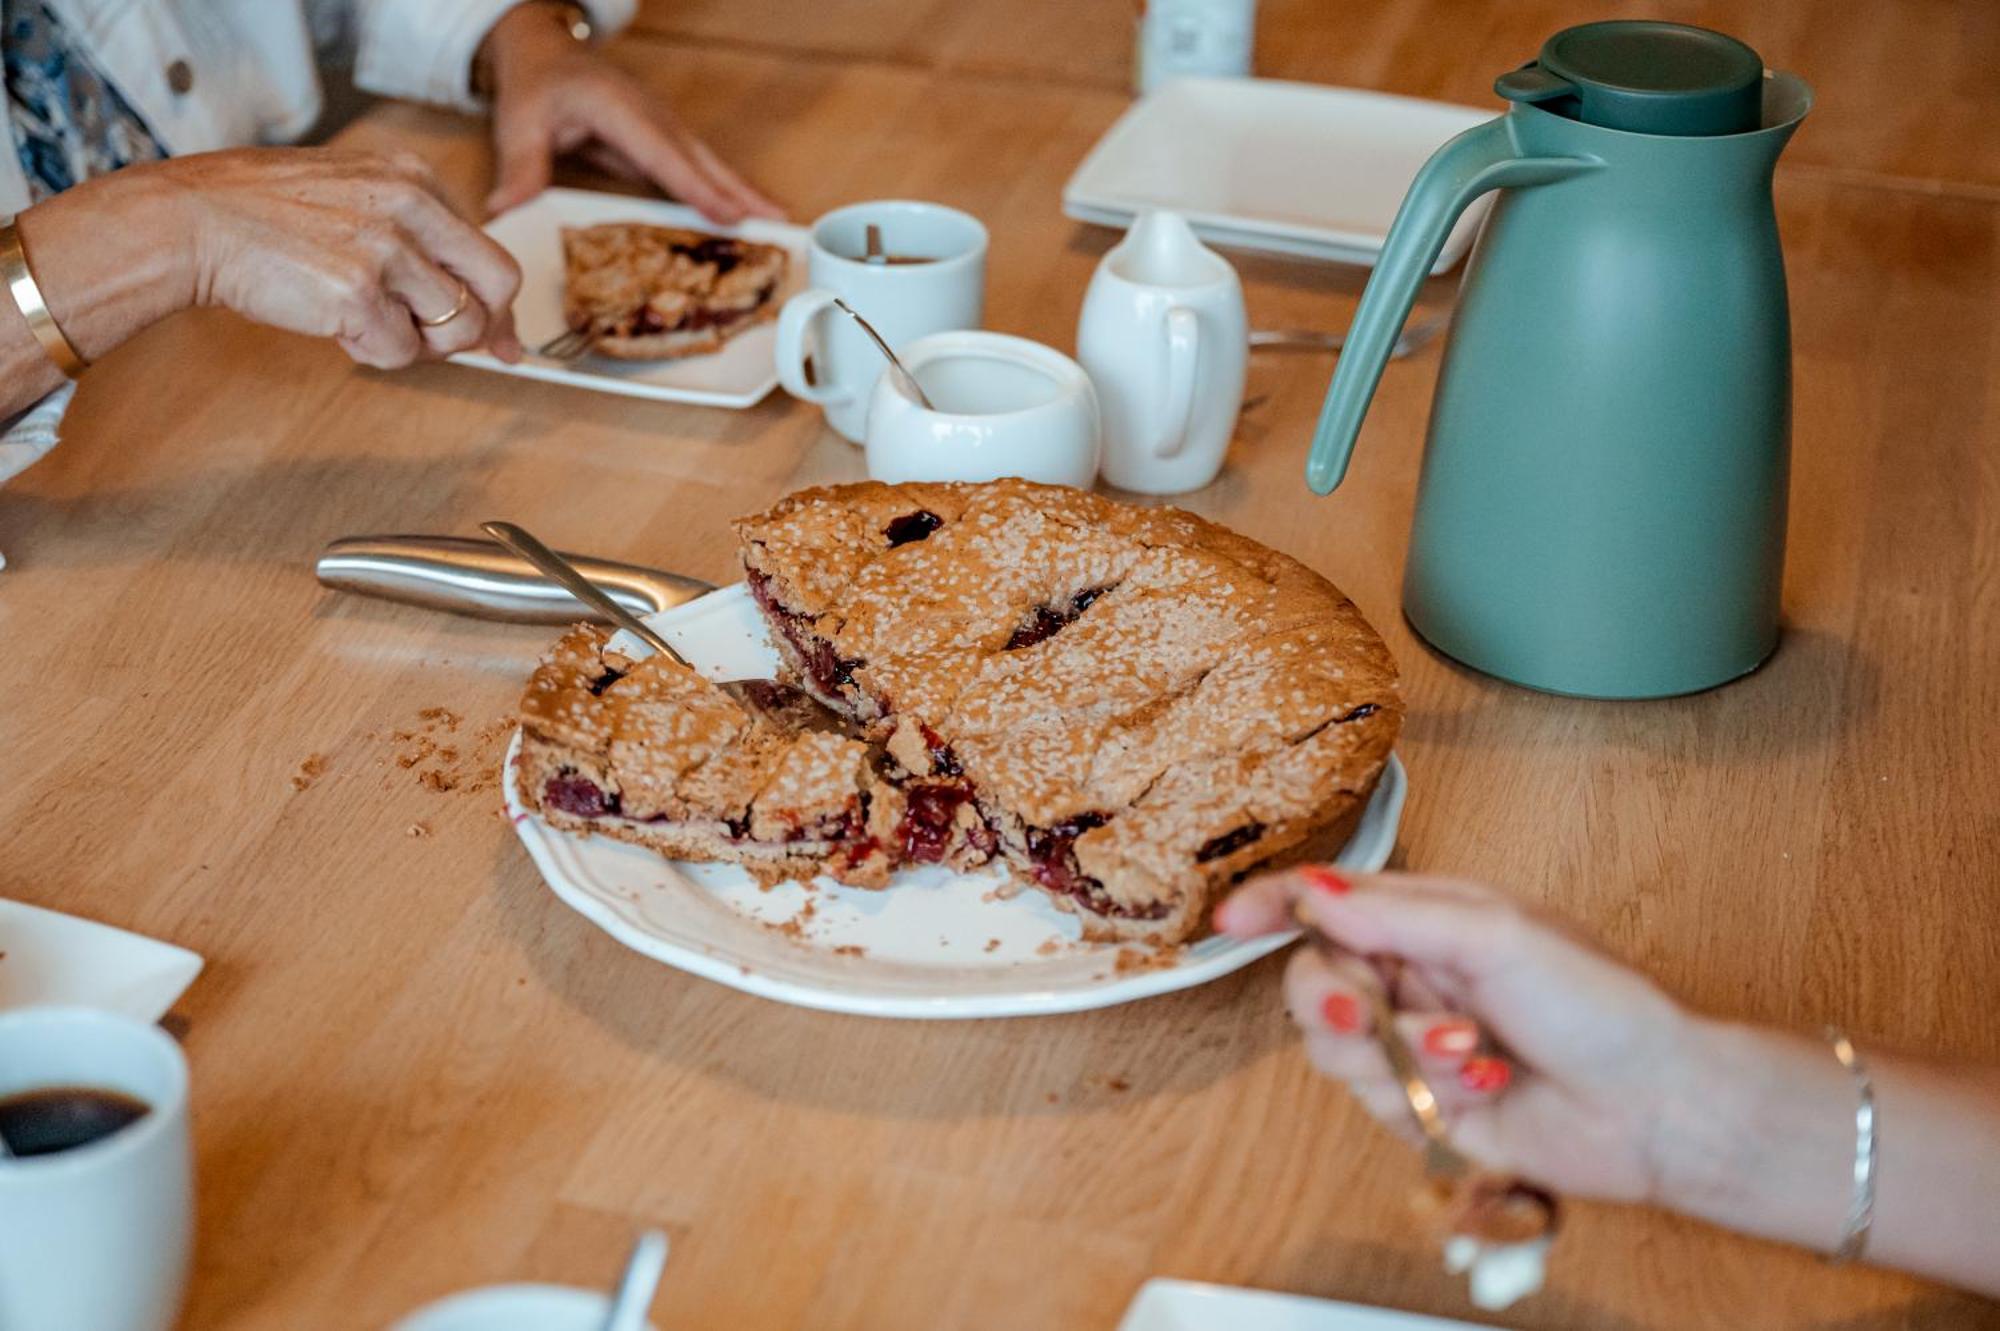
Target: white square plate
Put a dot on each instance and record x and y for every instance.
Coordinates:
(737, 375)
(1262, 164)
(49, 957)
(1182, 1305)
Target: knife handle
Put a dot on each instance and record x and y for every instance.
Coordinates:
(475, 577)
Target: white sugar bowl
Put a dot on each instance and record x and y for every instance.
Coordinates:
(1000, 406)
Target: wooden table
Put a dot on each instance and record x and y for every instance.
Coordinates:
(415, 1070)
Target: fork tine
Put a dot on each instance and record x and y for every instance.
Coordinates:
(567, 345)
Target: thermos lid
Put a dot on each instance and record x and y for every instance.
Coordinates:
(1645, 77)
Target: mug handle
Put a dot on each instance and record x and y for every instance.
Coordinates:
(793, 321)
(1183, 344)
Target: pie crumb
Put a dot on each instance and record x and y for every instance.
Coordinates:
(992, 945)
(311, 770)
(850, 950)
(418, 829)
(1132, 959)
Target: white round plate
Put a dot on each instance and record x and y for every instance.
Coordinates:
(513, 1308)
(934, 944)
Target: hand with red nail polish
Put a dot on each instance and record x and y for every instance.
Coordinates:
(1554, 1063)
(1538, 1046)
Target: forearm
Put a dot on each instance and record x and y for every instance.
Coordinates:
(1764, 1142)
(533, 31)
(108, 264)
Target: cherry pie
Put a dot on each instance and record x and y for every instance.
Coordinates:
(1128, 708)
(657, 292)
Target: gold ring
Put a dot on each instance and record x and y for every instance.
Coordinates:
(458, 308)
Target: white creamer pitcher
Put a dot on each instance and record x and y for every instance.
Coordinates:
(1164, 340)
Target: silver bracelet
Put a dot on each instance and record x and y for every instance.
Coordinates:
(1860, 1210)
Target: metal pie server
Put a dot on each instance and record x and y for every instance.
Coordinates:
(482, 578)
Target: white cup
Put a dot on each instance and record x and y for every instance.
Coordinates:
(1005, 406)
(96, 1237)
(903, 301)
(1164, 337)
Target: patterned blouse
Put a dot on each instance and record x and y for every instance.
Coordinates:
(69, 123)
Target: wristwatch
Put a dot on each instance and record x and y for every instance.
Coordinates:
(578, 20)
(574, 18)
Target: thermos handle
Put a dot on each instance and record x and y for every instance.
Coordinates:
(1183, 345)
(1482, 158)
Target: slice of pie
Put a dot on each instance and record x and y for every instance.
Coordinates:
(658, 292)
(1127, 708)
(651, 752)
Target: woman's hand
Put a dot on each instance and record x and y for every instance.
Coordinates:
(1555, 1063)
(552, 95)
(346, 245)
(353, 246)
(1551, 1060)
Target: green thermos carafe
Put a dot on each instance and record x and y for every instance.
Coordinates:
(1602, 508)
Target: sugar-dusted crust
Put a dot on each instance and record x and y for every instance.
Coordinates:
(1144, 704)
(650, 752)
(655, 293)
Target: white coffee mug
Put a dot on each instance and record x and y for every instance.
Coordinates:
(1164, 337)
(1000, 406)
(97, 1236)
(935, 280)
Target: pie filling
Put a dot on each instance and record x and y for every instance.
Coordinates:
(827, 669)
(1045, 621)
(926, 835)
(580, 797)
(1052, 863)
(646, 321)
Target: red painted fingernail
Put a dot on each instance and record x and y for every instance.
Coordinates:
(1452, 1039)
(1325, 879)
(1342, 1013)
(1485, 1073)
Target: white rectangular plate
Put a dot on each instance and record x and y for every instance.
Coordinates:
(1262, 164)
(738, 375)
(49, 957)
(1181, 1305)
(934, 944)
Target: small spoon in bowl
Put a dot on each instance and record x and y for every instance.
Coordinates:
(639, 1283)
(904, 379)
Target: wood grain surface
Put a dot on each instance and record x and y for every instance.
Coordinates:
(415, 1070)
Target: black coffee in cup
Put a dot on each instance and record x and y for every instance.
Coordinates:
(62, 1118)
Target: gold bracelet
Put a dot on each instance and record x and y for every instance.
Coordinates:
(28, 300)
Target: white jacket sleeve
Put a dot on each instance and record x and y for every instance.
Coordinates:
(32, 433)
(423, 49)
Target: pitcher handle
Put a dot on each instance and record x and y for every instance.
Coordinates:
(1482, 158)
(1183, 349)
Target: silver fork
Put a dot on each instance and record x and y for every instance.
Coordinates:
(1413, 336)
(569, 344)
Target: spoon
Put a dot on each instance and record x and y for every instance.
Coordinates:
(1491, 1207)
(874, 253)
(904, 379)
(639, 1283)
(782, 706)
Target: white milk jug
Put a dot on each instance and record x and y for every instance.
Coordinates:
(1164, 339)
